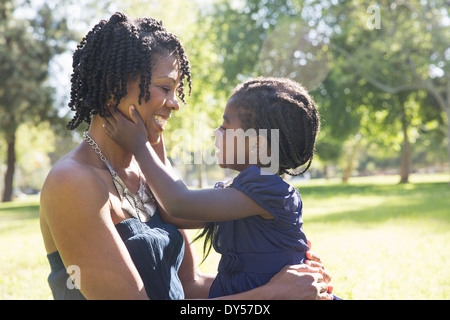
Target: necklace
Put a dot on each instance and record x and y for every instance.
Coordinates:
(94, 146)
(141, 205)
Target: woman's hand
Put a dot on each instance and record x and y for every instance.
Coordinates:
(299, 282)
(130, 135)
(314, 260)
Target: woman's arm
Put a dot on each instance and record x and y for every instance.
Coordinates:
(75, 206)
(175, 198)
(297, 282)
(300, 282)
(196, 285)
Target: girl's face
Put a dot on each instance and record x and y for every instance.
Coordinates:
(163, 97)
(229, 132)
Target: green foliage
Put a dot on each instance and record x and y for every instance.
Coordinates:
(241, 28)
(377, 72)
(354, 72)
(26, 49)
(27, 46)
(33, 163)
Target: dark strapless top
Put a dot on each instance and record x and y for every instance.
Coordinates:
(156, 249)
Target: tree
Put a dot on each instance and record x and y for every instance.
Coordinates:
(404, 51)
(27, 46)
(241, 28)
(387, 51)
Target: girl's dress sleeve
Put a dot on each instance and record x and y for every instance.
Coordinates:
(273, 194)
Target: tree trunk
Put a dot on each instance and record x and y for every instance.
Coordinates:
(325, 171)
(405, 166)
(351, 159)
(447, 111)
(201, 176)
(446, 106)
(11, 162)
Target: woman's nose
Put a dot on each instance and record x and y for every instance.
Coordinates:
(172, 103)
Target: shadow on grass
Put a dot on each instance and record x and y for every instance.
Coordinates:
(14, 216)
(382, 213)
(412, 201)
(373, 189)
(19, 212)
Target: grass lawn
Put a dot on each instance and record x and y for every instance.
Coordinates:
(378, 239)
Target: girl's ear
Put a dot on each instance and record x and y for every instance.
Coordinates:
(264, 151)
(253, 144)
(252, 149)
(262, 144)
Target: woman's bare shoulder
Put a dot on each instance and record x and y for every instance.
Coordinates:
(72, 180)
(71, 169)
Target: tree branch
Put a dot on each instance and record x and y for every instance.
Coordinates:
(373, 81)
(421, 84)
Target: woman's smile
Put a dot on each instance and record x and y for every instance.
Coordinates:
(161, 121)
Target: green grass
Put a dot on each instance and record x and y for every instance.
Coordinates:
(378, 239)
(23, 263)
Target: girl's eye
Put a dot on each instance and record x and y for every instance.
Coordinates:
(165, 89)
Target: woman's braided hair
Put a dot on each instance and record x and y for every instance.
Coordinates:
(112, 53)
(282, 104)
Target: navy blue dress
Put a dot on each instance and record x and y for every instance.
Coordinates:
(254, 249)
(156, 249)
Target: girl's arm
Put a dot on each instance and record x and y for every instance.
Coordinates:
(174, 197)
(160, 150)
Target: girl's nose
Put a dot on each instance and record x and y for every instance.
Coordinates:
(218, 132)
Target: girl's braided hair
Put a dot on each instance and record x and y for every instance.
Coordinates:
(112, 53)
(282, 104)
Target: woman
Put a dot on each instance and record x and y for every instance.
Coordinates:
(97, 212)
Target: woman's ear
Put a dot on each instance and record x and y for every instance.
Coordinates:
(109, 107)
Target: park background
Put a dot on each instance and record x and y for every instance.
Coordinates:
(377, 198)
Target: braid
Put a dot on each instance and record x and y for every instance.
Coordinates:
(278, 103)
(114, 51)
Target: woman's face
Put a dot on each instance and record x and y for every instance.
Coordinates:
(163, 97)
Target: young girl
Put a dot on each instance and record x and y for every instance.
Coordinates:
(255, 223)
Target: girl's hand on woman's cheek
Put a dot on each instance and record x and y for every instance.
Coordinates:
(130, 135)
